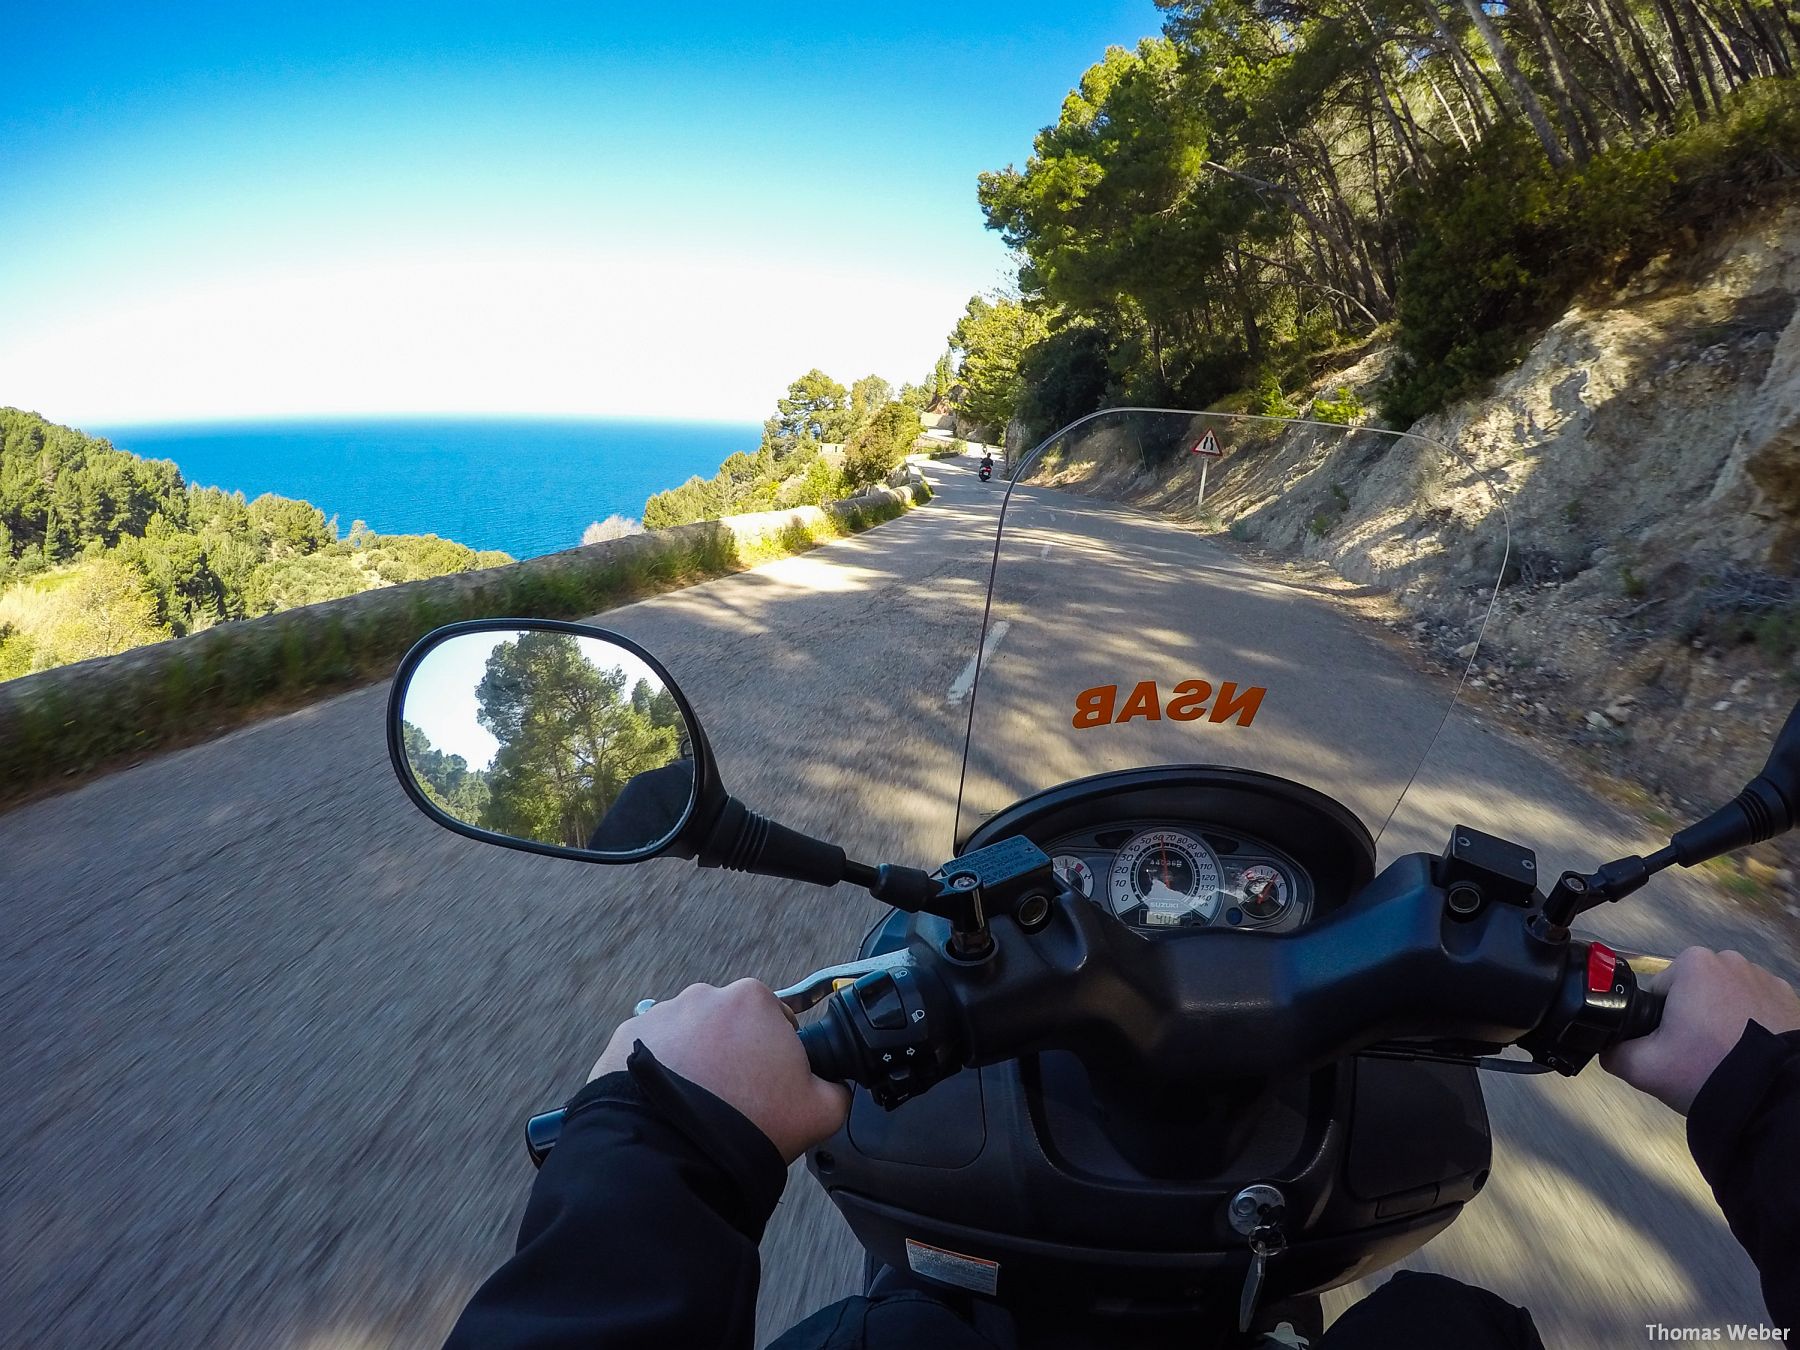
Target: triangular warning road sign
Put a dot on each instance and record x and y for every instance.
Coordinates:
(1209, 445)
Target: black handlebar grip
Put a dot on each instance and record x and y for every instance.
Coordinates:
(1643, 1014)
(831, 1049)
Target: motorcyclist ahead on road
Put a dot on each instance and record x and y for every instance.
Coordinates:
(642, 1228)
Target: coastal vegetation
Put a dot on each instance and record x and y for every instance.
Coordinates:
(822, 443)
(61, 722)
(1220, 213)
(102, 550)
(614, 526)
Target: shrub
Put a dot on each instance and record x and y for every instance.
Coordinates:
(1268, 401)
(16, 653)
(614, 526)
(291, 582)
(1499, 242)
(1345, 410)
(1778, 632)
(813, 485)
(880, 447)
(101, 610)
(77, 722)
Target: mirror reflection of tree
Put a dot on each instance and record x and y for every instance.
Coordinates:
(446, 779)
(570, 737)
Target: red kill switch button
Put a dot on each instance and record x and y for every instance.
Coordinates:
(1602, 962)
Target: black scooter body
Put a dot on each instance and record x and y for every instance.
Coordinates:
(1066, 1192)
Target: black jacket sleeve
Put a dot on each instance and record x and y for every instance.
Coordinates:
(642, 1227)
(1744, 1130)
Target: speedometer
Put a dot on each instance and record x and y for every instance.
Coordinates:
(1165, 878)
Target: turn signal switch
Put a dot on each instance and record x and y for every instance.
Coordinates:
(1599, 1004)
(889, 1032)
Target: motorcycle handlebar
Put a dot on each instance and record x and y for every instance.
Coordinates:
(1396, 964)
(829, 1054)
(899, 1030)
(1643, 1014)
(892, 1032)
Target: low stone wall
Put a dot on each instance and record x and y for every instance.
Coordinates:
(58, 723)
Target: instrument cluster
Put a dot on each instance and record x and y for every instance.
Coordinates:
(1162, 876)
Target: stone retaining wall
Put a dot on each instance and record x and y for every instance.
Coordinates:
(58, 723)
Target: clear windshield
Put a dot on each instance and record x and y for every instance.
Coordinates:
(1132, 621)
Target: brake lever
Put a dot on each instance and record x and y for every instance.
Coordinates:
(1425, 1053)
(817, 987)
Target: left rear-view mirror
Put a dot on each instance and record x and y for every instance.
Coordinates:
(552, 737)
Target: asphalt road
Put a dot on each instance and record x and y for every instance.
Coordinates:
(270, 1034)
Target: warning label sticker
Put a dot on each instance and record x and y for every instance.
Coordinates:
(947, 1267)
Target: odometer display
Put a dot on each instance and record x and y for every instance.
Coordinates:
(1165, 879)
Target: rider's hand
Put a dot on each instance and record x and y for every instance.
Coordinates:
(1711, 995)
(739, 1044)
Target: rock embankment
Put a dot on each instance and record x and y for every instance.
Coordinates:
(1635, 482)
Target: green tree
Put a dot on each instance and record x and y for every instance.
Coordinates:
(445, 778)
(292, 528)
(570, 739)
(101, 609)
(211, 510)
(881, 445)
(1271, 177)
(992, 337)
(815, 407)
(288, 583)
(657, 704)
(866, 396)
(696, 499)
(812, 483)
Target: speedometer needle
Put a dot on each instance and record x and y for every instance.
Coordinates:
(1163, 853)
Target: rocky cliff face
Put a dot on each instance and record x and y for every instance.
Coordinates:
(1647, 456)
(1638, 472)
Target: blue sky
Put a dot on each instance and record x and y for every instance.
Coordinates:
(248, 210)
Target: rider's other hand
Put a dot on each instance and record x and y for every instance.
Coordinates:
(739, 1044)
(1711, 995)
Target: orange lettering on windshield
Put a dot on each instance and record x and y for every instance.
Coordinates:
(1244, 704)
(1190, 700)
(1142, 703)
(1094, 707)
(1100, 705)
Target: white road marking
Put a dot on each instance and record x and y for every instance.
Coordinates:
(1046, 550)
(966, 681)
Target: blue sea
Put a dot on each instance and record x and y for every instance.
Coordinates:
(523, 485)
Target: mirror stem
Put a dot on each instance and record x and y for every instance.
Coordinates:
(1764, 809)
(742, 841)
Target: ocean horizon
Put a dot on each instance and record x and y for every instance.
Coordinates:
(525, 485)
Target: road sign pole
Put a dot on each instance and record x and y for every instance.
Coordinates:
(1200, 505)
